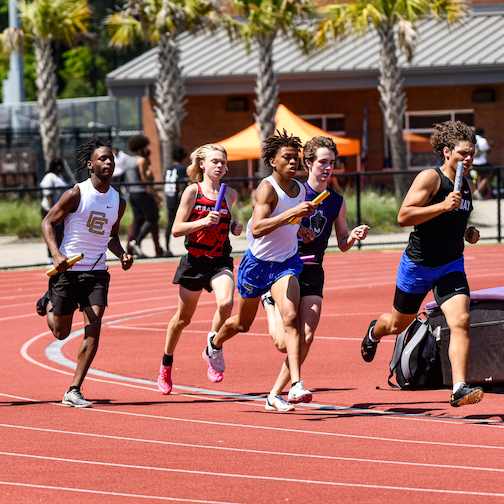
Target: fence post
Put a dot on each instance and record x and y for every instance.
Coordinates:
(358, 197)
(498, 205)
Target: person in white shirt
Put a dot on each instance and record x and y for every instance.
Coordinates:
(484, 178)
(53, 186)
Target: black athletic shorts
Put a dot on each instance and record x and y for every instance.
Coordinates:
(445, 288)
(311, 280)
(195, 273)
(78, 289)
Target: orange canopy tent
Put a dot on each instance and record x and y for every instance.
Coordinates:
(417, 143)
(247, 144)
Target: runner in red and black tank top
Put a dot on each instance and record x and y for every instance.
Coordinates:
(209, 241)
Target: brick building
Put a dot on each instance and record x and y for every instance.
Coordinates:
(456, 73)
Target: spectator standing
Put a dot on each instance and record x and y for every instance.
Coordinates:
(175, 183)
(53, 186)
(484, 179)
(143, 198)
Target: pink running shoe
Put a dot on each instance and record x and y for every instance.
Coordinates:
(213, 376)
(164, 381)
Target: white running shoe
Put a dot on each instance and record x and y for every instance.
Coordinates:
(74, 398)
(277, 403)
(298, 394)
(215, 356)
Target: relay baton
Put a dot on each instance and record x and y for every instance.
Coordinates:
(220, 198)
(308, 258)
(70, 261)
(318, 199)
(458, 176)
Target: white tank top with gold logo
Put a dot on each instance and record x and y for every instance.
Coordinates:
(87, 230)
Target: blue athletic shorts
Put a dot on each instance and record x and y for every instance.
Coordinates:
(255, 277)
(414, 278)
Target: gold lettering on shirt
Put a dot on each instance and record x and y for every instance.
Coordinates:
(96, 222)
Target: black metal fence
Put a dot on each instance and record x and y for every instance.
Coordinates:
(369, 198)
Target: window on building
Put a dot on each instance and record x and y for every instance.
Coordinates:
(418, 129)
(332, 123)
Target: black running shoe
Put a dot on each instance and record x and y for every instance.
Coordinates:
(368, 348)
(466, 395)
(42, 304)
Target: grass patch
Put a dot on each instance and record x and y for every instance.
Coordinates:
(21, 217)
(378, 210)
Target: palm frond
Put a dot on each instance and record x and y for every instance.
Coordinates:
(12, 39)
(124, 30)
(452, 11)
(407, 37)
(55, 19)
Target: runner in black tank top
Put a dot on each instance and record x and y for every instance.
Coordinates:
(434, 258)
(441, 240)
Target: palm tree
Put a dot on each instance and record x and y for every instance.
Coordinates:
(161, 22)
(394, 22)
(43, 22)
(259, 22)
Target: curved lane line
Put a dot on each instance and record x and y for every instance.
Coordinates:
(54, 353)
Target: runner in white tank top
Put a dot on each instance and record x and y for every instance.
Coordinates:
(95, 217)
(282, 243)
(92, 212)
(277, 200)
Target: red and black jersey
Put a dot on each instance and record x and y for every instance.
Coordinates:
(209, 241)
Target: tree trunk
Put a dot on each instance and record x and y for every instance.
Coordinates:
(266, 89)
(393, 103)
(47, 90)
(169, 93)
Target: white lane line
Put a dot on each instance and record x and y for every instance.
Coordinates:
(249, 451)
(264, 478)
(277, 429)
(123, 381)
(115, 494)
(261, 335)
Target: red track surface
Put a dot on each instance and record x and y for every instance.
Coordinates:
(359, 441)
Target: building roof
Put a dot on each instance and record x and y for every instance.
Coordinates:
(472, 53)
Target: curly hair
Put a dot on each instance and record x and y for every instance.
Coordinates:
(194, 171)
(274, 143)
(86, 151)
(312, 146)
(137, 142)
(449, 134)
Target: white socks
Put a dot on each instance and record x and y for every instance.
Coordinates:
(456, 386)
(374, 340)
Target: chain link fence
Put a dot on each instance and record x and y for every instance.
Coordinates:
(369, 198)
(21, 157)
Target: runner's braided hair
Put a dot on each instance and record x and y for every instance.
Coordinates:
(85, 151)
(449, 134)
(274, 143)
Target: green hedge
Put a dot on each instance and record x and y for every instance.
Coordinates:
(21, 217)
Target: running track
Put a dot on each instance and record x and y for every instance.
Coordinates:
(359, 441)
